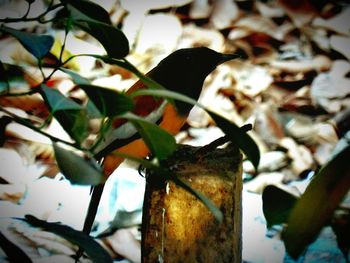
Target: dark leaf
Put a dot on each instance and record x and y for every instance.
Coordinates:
(317, 204)
(277, 205)
(238, 137)
(341, 226)
(38, 46)
(74, 122)
(161, 143)
(77, 169)
(4, 121)
(112, 39)
(92, 248)
(57, 101)
(92, 110)
(13, 252)
(4, 83)
(90, 9)
(69, 114)
(109, 102)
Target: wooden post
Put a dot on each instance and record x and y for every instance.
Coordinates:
(177, 227)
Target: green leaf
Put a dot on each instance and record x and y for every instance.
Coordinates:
(92, 110)
(74, 122)
(238, 137)
(4, 121)
(112, 39)
(12, 251)
(109, 102)
(92, 248)
(90, 9)
(317, 204)
(38, 46)
(161, 143)
(77, 79)
(77, 169)
(57, 101)
(277, 205)
(69, 114)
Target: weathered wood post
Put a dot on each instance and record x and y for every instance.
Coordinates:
(177, 227)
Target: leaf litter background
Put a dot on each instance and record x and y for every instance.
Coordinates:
(291, 82)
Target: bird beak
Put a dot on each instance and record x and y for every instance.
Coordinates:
(227, 57)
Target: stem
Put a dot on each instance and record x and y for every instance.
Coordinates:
(18, 94)
(38, 18)
(27, 12)
(104, 127)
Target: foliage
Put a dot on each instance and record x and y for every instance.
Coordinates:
(77, 159)
(307, 215)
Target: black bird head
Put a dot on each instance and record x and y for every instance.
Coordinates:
(185, 70)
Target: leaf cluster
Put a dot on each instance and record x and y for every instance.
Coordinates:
(77, 160)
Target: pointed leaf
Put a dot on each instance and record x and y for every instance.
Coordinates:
(112, 39)
(69, 114)
(77, 79)
(92, 248)
(238, 137)
(108, 102)
(161, 143)
(317, 204)
(277, 205)
(76, 169)
(38, 46)
(57, 101)
(125, 133)
(92, 110)
(74, 122)
(12, 251)
(90, 9)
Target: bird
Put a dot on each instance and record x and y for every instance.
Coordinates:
(184, 72)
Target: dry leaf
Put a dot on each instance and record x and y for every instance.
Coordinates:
(267, 125)
(200, 9)
(160, 32)
(251, 79)
(301, 12)
(328, 89)
(255, 23)
(341, 44)
(301, 156)
(224, 13)
(318, 63)
(12, 193)
(338, 23)
(269, 9)
(196, 36)
(269, 162)
(258, 184)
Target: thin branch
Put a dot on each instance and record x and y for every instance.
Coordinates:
(37, 18)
